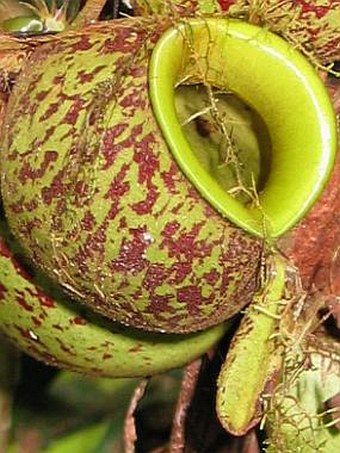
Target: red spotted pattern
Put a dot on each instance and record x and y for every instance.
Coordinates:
(117, 223)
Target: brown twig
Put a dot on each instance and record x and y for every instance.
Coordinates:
(130, 434)
(177, 442)
(89, 13)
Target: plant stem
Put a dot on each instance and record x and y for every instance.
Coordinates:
(89, 13)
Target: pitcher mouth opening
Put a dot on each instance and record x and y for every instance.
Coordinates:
(228, 137)
(285, 173)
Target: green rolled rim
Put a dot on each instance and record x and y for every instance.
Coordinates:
(275, 80)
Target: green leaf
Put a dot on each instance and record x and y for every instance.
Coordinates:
(298, 421)
(86, 440)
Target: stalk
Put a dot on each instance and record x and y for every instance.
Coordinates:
(89, 13)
